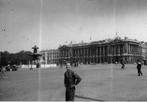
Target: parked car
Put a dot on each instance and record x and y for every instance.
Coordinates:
(14, 68)
(8, 68)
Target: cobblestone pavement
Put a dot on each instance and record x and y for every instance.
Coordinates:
(101, 82)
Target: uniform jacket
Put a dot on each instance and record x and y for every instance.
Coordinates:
(71, 79)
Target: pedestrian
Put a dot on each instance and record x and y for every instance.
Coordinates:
(71, 79)
(123, 65)
(139, 68)
(2, 72)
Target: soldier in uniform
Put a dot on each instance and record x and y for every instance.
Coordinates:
(71, 79)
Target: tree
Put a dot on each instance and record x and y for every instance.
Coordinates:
(15, 58)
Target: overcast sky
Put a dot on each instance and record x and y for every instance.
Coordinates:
(49, 23)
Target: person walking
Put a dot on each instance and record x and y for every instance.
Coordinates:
(71, 79)
(139, 68)
(2, 72)
(123, 65)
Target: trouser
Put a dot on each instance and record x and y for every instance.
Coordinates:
(123, 66)
(139, 71)
(70, 94)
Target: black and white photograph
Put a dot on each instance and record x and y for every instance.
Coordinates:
(73, 50)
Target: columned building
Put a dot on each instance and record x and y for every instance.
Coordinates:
(50, 56)
(144, 52)
(104, 51)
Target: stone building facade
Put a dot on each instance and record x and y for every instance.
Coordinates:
(104, 51)
(144, 52)
(50, 56)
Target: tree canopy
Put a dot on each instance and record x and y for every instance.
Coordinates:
(22, 57)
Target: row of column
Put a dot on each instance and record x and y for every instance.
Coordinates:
(98, 51)
(98, 54)
(83, 52)
(134, 49)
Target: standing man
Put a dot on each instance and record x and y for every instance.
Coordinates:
(139, 68)
(71, 79)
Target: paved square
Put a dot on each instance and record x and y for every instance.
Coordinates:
(101, 82)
